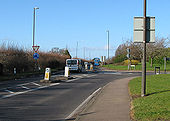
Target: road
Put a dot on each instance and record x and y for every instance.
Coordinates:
(28, 99)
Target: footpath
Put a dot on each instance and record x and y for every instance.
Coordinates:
(112, 104)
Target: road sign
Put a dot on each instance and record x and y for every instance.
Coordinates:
(35, 48)
(35, 56)
(138, 29)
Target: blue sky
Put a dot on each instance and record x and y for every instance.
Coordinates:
(62, 23)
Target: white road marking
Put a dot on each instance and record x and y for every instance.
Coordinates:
(18, 93)
(40, 86)
(54, 84)
(79, 78)
(9, 91)
(23, 84)
(72, 80)
(25, 87)
(35, 84)
(82, 104)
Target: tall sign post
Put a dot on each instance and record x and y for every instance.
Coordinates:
(35, 48)
(144, 32)
(143, 91)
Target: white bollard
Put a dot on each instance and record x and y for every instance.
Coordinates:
(67, 72)
(86, 66)
(15, 71)
(47, 74)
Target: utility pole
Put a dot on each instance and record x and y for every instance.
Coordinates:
(143, 91)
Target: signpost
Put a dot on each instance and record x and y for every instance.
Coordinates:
(36, 55)
(144, 32)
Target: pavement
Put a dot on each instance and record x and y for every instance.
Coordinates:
(111, 104)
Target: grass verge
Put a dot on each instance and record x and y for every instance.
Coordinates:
(156, 105)
(138, 67)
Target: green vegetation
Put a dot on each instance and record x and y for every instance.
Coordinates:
(155, 106)
(12, 57)
(138, 67)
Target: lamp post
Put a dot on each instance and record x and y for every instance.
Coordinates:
(34, 25)
(108, 43)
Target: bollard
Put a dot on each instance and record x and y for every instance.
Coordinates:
(67, 72)
(91, 66)
(47, 74)
(86, 66)
(15, 71)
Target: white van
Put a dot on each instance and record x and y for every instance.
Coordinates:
(75, 64)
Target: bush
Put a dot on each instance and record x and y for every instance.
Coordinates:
(12, 57)
(133, 62)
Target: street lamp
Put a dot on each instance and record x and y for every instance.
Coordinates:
(108, 43)
(34, 24)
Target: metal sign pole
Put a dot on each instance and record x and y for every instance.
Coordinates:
(143, 91)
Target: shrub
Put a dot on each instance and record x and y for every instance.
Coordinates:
(133, 62)
(13, 57)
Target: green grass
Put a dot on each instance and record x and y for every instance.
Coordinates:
(138, 67)
(155, 106)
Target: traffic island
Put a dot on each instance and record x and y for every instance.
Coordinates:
(56, 79)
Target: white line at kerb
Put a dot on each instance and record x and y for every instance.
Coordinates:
(82, 104)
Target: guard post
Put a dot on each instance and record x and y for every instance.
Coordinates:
(67, 72)
(47, 74)
(91, 67)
